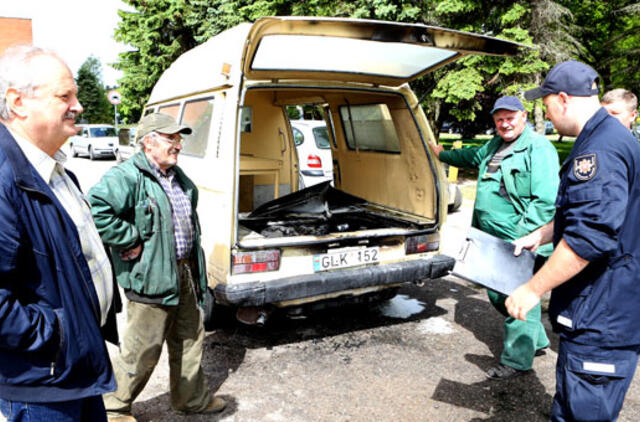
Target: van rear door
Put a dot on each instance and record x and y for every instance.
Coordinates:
(350, 50)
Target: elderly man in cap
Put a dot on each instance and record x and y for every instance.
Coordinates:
(145, 211)
(517, 185)
(594, 270)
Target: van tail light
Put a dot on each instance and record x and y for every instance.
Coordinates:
(422, 243)
(314, 162)
(255, 262)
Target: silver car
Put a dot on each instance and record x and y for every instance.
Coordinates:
(94, 141)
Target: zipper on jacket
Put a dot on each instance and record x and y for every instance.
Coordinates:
(60, 342)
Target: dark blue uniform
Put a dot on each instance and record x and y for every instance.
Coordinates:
(597, 312)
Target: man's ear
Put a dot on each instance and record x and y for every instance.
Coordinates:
(15, 102)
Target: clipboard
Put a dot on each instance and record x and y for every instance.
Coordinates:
(489, 261)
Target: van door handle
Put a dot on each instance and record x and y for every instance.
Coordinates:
(283, 141)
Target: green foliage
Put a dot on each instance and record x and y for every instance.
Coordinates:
(604, 33)
(610, 31)
(92, 94)
(159, 31)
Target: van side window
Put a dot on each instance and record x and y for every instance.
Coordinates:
(197, 114)
(171, 109)
(369, 127)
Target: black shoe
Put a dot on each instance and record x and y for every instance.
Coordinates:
(503, 372)
(541, 352)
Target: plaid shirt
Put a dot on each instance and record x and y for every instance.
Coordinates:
(72, 200)
(180, 211)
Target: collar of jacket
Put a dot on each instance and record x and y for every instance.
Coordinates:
(522, 142)
(141, 162)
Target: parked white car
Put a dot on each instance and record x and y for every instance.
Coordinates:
(314, 151)
(94, 141)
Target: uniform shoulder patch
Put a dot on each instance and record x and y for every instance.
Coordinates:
(585, 167)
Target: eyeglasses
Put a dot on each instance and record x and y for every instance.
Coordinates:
(174, 139)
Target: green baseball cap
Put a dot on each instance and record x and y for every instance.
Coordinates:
(163, 123)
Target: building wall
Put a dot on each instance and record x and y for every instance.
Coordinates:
(14, 31)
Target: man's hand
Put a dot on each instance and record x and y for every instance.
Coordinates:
(521, 301)
(131, 254)
(436, 148)
(530, 242)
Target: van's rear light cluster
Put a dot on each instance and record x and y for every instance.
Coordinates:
(314, 161)
(422, 243)
(255, 262)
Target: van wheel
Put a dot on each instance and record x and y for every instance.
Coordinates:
(118, 156)
(457, 201)
(215, 314)
(74, 153)
(92, 156)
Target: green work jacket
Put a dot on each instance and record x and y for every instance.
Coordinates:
(130, 207)
(530, 175)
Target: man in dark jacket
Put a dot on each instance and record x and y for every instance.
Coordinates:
(56, 285)
(145, 210)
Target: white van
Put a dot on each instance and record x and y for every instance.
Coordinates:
(268, 243)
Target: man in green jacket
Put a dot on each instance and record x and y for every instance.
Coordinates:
(145, 211)
(516, 192)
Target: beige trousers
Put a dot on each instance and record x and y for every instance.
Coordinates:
(148, 327)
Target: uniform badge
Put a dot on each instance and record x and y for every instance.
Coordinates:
(585, 166)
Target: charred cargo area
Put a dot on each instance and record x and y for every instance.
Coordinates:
(318, 210)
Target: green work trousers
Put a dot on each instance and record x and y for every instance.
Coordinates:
(521, 338)
(148, 327)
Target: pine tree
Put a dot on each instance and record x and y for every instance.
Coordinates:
(91, 92)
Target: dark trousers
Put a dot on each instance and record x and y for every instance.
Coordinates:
(591, 382)
(90, 409)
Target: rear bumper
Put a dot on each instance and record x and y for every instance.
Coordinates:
(322, 283)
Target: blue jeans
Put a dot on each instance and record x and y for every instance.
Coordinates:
(90, 409)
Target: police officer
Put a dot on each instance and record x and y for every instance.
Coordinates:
(594, 270)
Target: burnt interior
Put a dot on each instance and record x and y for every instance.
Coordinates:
(318, 210)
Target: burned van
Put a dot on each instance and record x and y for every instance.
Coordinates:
(271, 243)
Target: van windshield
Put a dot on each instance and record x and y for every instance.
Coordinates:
(338, 54)
(101, 132)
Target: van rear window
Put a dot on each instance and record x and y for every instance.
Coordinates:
(369, 127)
(197, 115)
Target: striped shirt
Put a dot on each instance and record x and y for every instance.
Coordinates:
(52, 172)
(180, 211)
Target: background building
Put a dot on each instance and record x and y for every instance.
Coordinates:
(14, 31)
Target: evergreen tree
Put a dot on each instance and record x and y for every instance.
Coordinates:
(91, 92)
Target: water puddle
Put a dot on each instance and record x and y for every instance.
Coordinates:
(401, 306)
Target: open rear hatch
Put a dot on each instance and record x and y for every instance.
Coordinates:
(356, 50)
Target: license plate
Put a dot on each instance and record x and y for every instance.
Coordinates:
(345, 258)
